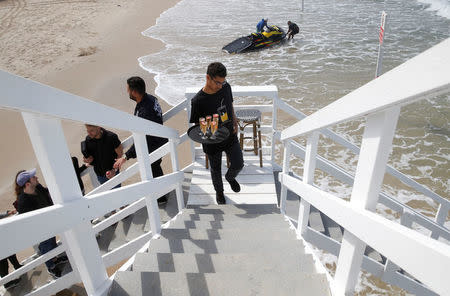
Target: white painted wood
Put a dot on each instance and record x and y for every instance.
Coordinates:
(440, 218)
(290, 110)
(275, 102)
(245, 188)
(375, 150)
(104, 202)
(424, 76)
(355, 149)
(174, 110)
(342, 175)
(128, 210)
(266, 151)
(261, 108)
(57, 285)
(146, 174)
(85, 209)
(93, 177)
(31, 265)
(127, 250)
(49, 144)
(241, 178)
(308, 178)
(175, 168)
(233, 198)
(248, 169)
(51, 101)
(391, 239)
(286, 168)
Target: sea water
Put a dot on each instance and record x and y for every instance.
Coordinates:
(334, 53)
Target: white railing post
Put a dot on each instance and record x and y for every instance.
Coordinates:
(406, 221)
(440, 219)
(140, 143)
(286, 158)
(188, 111)
(274, 127)
(308, 178)
(47, 138)
(93, 177)
(175, 168)
(375, 150)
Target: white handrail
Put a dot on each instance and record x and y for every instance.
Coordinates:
(389, 238)
(87, 209)
(344, 176)
(25, 95)
(355, 149)
(426, 75)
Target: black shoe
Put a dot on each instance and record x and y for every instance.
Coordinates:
(55, 272)
(12, 283)
(234, 185)
(220, 198)
(162, 200)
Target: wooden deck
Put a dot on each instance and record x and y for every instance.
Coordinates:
(257, 184)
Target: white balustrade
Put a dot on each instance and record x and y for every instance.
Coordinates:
(424, 76)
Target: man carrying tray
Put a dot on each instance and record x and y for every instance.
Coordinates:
(216, 98)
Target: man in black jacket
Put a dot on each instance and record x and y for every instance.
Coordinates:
(147, 107)
(293, 29)
(216, 98)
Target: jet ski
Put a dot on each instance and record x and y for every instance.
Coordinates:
(256, 41)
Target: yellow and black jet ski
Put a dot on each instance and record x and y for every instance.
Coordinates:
(256, 41)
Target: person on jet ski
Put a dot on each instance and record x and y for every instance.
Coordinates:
(260, 26)
(293, 29)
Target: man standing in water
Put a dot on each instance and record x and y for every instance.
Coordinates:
(216, 97)
(147, 107)
(293, 29)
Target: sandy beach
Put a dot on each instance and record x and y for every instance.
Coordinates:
(87, 48)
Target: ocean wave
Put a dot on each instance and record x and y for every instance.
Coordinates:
(441, 7)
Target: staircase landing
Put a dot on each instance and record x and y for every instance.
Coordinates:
(257, 184)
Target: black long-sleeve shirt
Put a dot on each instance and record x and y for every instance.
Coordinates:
(149, 109)
(30, 202)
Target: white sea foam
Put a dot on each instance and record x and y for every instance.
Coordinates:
(441, 7)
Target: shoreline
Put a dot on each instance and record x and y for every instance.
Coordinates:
(100, 77)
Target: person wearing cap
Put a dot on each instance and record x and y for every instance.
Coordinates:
(31, 195)
(260, 26)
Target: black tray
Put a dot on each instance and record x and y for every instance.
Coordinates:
(221, 135)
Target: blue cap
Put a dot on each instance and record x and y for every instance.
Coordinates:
(25, 176)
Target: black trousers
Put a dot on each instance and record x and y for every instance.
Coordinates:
(234, 153)
(4, 265)
(156, 169)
